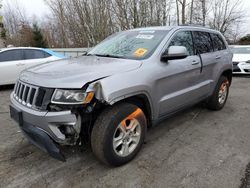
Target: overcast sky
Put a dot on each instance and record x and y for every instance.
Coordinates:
(38, 9)
(32, 7)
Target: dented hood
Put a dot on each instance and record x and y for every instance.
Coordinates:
(76, 72)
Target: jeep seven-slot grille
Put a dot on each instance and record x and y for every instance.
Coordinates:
(32, 96)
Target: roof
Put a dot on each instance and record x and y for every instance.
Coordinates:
(19, 48)
(175, 27)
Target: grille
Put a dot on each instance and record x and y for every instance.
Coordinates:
(235, 63)
(32, 96)
(247, 70)
(26, 94)
(236, 68)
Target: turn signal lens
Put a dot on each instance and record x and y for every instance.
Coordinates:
(89, 97)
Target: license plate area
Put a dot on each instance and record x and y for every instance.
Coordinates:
(16, 115)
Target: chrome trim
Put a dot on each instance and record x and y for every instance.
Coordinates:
(20, 96)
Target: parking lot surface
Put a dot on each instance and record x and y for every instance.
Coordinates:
(195, 148)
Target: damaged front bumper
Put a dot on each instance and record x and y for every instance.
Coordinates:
(42, 128)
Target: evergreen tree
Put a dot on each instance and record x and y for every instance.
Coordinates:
(38, 38)
(245, 40)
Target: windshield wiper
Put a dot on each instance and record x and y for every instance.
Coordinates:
(106, 55)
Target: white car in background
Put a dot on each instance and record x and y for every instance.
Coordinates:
(15, 60)
(241, 59)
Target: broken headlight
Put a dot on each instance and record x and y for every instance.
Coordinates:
(61, 96)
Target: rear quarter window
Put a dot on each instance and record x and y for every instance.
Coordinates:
(202, 42)
(35, 54)
(218, 42)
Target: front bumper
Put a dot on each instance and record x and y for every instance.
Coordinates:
(241, 68)
(41, 127)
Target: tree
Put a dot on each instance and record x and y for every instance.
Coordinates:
(38, 38)
(225, 15)
(2, 31)
(14, 16)
(24, 36)
(84, 23)
(245, 40)
(183, 4)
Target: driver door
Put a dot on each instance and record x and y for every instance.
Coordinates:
(178, 79)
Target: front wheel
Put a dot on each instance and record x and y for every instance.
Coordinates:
(118, 134)
(220, 95)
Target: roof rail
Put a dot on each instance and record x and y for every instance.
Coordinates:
(194, 25)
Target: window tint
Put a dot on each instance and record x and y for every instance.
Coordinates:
(202, 41)
(11, 55)
(183, 38)
(218, 42)
(46, 54)
(35, 54)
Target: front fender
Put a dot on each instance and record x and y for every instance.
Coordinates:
(111, 91)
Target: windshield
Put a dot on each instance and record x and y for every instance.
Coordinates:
(241, 50)
(130, 44)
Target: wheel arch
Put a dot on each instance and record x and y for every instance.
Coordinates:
(139, 95)
(229, 74)
(143, 102)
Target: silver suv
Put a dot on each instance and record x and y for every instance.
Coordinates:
(127, 83)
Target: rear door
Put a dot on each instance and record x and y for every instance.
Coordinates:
(11, 64)
(221, 54)
(204, 49)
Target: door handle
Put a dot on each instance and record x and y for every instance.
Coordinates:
(217, 57)
(195, 62)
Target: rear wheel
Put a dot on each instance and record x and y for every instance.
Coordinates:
(118, 134)
(219, 97)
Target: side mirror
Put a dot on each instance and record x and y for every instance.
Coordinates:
(174, 52)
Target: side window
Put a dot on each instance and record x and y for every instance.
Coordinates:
(218, 42)
(202, 42)
(183, 38)
(46, 54)
(11, 55)
(34, 54)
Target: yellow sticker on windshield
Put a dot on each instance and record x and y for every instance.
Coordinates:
(140, 52)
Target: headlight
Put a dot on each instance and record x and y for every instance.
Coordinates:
(71, 97)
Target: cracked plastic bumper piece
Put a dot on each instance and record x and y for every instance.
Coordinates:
(36, 135)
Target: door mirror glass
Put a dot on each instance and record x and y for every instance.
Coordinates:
(174, 52)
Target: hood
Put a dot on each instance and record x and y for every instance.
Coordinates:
(241, 57)
(76, 72)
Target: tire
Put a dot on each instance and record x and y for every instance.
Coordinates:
(217, 101)
(109, 130)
